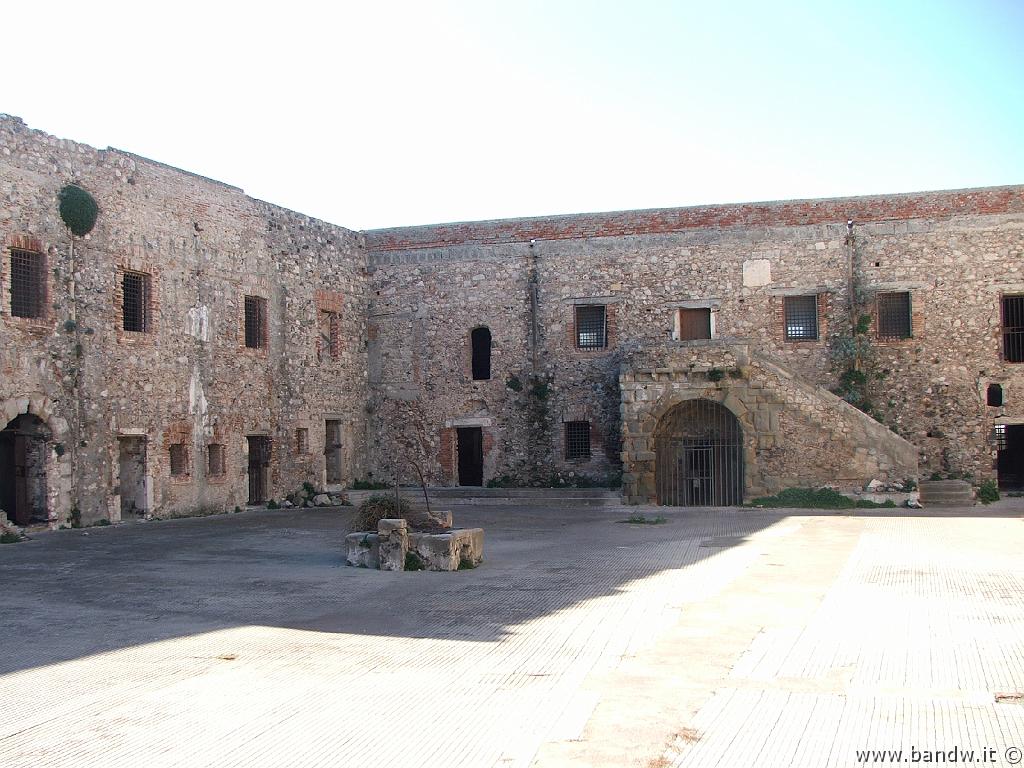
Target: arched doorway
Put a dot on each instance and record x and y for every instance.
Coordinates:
(23, 453)
(699, 456)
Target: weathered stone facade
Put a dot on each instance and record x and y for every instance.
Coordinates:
(368, 349)
(188, 380)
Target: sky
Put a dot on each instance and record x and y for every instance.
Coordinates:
(377, 114)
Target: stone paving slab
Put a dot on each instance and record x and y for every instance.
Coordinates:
(724, 637)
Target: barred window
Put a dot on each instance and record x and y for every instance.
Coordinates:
(215, 466)
(135, 302)
(591, 327)
(179, 460)
(999, 437)
(28, 283)
(255, 322)
(694, 324)
(302, 440)
(329, 341)
(894, 315)
(801, 317)
(1013, 329)
(577, 439)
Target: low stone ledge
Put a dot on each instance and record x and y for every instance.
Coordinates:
(448, 551)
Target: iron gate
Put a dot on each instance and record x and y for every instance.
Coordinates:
(699, 449)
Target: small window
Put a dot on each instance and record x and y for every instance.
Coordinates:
(577, 440)
(894, 316)
(302, 440)
(179, 460)
(591, 327)
(329, 340)
(801, 317)
(480, 340)
(694, 324)
(215, 466)
(255, 322)
(135, 301)
(994, 396)
(999, 437)
(1013, 329)
(28, 283)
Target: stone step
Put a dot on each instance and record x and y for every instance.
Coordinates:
(551, 497)
(946, 493)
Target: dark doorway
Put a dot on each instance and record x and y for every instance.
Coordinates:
(332, 450)
(699, 450)
(1010, 459)
(23, 453)
(471, 456)
(481, 341)
(132, 473)
(259, 461)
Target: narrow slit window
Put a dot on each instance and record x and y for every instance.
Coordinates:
(801, 317)
(577, 440)
(591, 327)
(28, 283)
(135, 302)
(302, 440)
(894, 315)
(255, 322)
(480, 339)
(1013, 329)
(694, 324)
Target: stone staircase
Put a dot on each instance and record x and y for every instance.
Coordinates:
(946, 493)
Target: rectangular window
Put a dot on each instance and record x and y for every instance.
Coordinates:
(215, 466)
(135, 301)
(894, 315)
(801, 317)
(255, 322)
(694, 324)
(591, 327)
(1013, 329)
(329, 339)
(302, 440)
(28, 283)
(179, 460)
(577, 439)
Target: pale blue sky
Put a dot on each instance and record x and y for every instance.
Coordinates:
(409, 113)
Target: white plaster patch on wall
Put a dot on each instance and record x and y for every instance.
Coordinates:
(756, 272)
(198, 322)
(198, 407)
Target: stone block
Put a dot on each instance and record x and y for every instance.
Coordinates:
(447, 551)
(363, 549)
(394, 544)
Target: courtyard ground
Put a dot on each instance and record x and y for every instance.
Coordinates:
(720, 638)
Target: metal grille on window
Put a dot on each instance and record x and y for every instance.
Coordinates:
(215, 460)
(694, 324)
(255, 322)
(894, 315)
(591, 328)
(28, 286)
(999, 437)
(1013, 329)
(801, 317)
(179, 460)
(577, 440)
(135, 302)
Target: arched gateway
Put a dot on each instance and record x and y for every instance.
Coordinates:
(699, 456)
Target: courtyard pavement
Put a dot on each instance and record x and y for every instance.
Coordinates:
(721, 638)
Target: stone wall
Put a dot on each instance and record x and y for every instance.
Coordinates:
(189, 379)
(955, 253)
